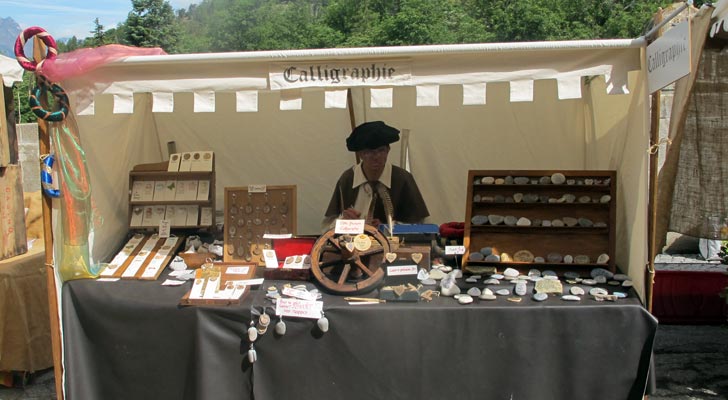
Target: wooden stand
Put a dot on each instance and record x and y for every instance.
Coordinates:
(153, 175)
(497, 198)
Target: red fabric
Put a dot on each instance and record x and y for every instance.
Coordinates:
(292, 247)
(78, 62)
(684, 297)
(452, 230)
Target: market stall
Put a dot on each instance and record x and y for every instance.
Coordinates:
(280, 118)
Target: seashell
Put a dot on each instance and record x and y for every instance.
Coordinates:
(323, 324)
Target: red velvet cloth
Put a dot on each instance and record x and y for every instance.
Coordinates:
(687, 297)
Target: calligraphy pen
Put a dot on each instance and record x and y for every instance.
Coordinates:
(365, 299)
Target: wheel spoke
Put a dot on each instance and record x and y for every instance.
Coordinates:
(363, 267)
(344, 274)
(334, 242)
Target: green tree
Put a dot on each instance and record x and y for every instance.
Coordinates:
(99, 36)
(152, 23)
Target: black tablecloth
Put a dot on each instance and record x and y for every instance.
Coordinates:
(130, 340)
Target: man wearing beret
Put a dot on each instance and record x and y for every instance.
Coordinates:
(374, 189)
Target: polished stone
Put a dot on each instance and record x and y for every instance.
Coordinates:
(577, 291)
(540, 296)
(523, 256)
(570, 297)
(558, 178)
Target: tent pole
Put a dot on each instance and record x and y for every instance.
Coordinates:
(39, 50)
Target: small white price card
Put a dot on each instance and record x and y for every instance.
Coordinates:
(299, 308)
(451, 250)
(397, 270)
(237, 270)
(299, 294)
(349, 226)
(165, 227)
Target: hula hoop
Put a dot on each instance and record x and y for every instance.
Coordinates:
(46, 115)
(46, 177)
(30, 65)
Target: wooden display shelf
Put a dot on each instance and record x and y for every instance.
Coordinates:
(542, 240)
(149, 175)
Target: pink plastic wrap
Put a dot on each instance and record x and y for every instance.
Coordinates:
(78, 62)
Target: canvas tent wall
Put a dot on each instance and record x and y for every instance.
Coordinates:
(553, 105)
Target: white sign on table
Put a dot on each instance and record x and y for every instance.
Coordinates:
(299, 308)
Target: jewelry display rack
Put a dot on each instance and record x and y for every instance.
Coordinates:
(219, 278)
(252, 212)
(536, 223)
(143, 257)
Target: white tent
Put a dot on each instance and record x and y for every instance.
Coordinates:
(280, 118)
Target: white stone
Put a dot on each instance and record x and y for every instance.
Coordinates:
(503, 292)
(570, 297)
(558, 178)
(540, 296)
(511, 273)
(597, 290)
(576, 291)
(523, 221)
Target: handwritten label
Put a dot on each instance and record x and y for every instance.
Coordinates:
(237, 270)
(299, 308)
(257, 188)
(299, 294)
(277, 236)
(349, 226)
(450, 250)
(398, 270)
(165, 227)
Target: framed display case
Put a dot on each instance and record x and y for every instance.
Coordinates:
(559, 220)
(251, 213)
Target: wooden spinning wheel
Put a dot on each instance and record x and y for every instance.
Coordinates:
(349, 264)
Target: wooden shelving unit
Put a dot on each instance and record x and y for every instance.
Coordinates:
(503, 197)
(150, 175)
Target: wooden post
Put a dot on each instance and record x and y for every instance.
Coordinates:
(39, 51)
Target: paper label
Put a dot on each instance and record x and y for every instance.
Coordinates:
(257, 188)
(299, 294)
(349, 226)
(398, 270)
(450, 250)
(299, 308)
(185, 163)
(237, 270)
(165, 226)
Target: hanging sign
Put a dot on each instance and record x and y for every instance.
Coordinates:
(296, 75)
(668, 58)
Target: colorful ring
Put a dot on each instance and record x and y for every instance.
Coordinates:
(43, 114)
(46, 176)
(30, 65)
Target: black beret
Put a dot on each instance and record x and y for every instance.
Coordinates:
(371, 135)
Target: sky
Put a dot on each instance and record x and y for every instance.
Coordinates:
(66, 18)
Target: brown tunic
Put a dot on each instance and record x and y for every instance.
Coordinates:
(409, 206)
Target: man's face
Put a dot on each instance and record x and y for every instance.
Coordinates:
(374, 158)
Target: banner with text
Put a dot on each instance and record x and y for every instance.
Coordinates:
(298, 75)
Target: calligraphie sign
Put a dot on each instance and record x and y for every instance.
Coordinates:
(668, 58)
(299, 308)
(296, 75)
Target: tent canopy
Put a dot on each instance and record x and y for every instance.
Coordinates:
(281, 118)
